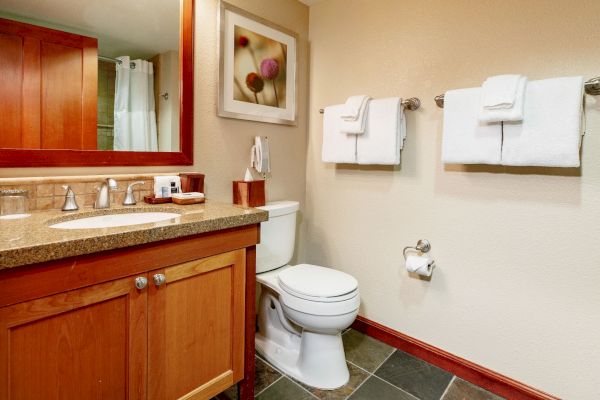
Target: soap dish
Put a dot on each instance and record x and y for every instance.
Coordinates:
(151, 199)
(188, 198)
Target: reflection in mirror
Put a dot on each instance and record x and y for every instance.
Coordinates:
(90, 75)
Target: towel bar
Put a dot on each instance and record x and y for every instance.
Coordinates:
(592, 87)
(411, 104)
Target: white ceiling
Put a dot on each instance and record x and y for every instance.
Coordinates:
(123, 27)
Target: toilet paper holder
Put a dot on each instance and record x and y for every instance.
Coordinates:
(423, 246)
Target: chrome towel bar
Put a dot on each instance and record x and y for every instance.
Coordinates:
(592, 87)
(411, 104)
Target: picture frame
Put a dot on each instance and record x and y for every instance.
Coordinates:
(257, 68)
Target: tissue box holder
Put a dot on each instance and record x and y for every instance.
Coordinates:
(249, 193)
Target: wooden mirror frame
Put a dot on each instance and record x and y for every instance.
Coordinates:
(87, 158)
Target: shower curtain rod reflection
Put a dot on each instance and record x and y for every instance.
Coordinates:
(116, 61)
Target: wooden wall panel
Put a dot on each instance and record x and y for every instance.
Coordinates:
(61, 96)
(11, 64)
(32, 113)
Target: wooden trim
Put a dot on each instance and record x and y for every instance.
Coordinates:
(238, 313)
(13, 158)
(75, 272)
(474, 373)
(220, 383)
(246, 387)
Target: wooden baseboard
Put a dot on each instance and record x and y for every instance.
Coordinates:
(480, 376)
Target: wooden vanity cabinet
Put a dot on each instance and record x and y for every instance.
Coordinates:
(173, 328)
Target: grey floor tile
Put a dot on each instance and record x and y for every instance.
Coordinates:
(461, 389)
(375, 388)
(364, 351)
(357, 376)
(415, 376)
(265, 375)
(284, 389)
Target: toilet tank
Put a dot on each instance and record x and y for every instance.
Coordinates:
(277, 236)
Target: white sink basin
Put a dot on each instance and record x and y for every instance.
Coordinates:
(115, 220)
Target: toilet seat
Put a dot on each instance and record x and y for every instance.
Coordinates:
(316, 283)
(316, 290)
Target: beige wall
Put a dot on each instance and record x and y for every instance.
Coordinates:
(222, 146)
(518, 284)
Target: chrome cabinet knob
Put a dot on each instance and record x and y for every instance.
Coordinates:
(141, 282)
(159, 279)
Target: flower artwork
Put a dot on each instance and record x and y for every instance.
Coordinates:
(259, 69)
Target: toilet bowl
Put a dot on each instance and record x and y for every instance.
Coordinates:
(303, 309)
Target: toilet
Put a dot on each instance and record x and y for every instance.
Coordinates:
(303, 308)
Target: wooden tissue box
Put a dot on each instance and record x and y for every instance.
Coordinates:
(249, 193)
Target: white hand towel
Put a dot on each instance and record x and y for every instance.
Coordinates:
(358, 125)
(337, 147)
(499, 91)
(384, 134)
(466, 141)
(353, 106)
(550, 134)
(513, 113)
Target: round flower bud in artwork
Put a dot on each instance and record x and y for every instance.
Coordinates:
(269, 68)
(255, 82)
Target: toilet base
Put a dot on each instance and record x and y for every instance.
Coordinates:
(317, 360)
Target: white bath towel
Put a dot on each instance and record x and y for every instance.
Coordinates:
(500, 91)
(353, 107)
(337, 147)
(384, 134)
(504, 111)
(550, 134)
(466, 140)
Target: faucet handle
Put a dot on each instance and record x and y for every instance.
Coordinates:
(129, 197)
(70, 203)
(112, 184)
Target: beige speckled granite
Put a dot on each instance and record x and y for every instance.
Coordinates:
(30, 240)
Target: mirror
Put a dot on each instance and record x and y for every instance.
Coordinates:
(84, 82)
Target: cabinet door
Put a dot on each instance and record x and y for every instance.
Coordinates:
(49, 84)
(88, 343)
(196, 327)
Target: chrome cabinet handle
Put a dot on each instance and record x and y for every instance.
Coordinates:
(159, 279)
(141, 282)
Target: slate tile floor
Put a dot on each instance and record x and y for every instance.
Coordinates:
(377, 372)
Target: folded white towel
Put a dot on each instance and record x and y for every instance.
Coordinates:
(355, 126)
(466, 141)
(515, 112)
(384, 134)
(353, 106)
(550, 134)
(337, 147)
(500, 91)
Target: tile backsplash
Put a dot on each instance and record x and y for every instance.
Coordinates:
(48, 193)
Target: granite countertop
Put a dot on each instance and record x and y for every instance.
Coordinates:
(31, 240)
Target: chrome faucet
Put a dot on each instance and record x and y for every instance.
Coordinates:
(103, 197)
(129, 197)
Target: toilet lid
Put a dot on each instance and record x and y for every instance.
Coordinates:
(315, 281)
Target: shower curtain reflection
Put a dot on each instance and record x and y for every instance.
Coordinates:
(135, 114)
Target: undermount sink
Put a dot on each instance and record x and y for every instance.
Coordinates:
(115, 220)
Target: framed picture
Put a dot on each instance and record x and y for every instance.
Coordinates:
(257, 68)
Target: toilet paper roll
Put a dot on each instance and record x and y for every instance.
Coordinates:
(422, 265)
